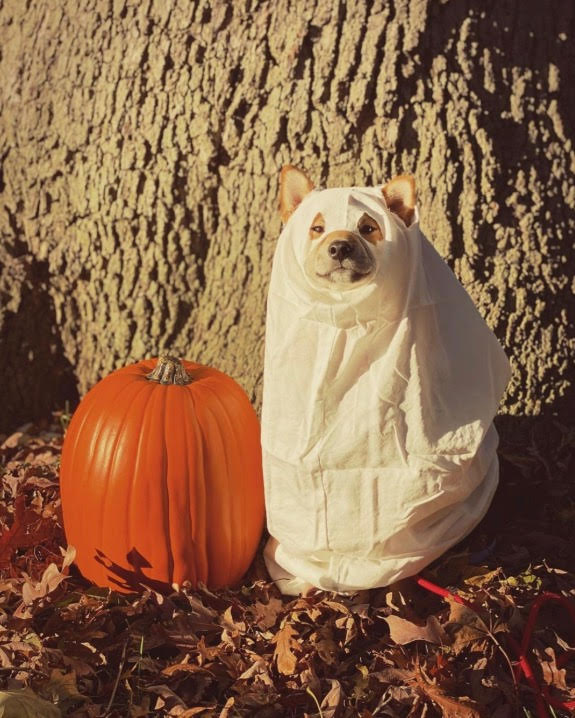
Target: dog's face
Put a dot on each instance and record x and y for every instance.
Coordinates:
(341, 255)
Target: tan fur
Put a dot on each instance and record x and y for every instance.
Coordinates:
(318, 221)
(399, 196)
(294, 185)
(369, 229)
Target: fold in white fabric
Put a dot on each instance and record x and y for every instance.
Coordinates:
(378, 445)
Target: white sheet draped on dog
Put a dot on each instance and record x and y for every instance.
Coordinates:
(378, 445)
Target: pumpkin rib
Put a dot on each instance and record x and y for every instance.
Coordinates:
(73, 436)
(161, 417)
(187, 509)
(147, 512)
(133, 519)
(243, 525)
(232, 515)
(84, 446)
(224, 524)
(199, 488)
(113, 456)
(176, 485)
(238, 515)
(244, 457)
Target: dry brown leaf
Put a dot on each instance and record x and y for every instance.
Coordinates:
(403, 631)
(394, 675)
(225, 713)
(166, 696)
(9, 538)
(461, 707)
(24, 703)
(332, 700)
(259, 671)
(239, 626)
(183, 668)
(284, 655)
(309, 678)
(267, 613)
(18, 438)
(479, 576)
(62, 685)
(465, 626)
(552, 675)
(51, 579)
(325, 645)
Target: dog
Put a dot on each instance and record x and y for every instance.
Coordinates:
(381, 381)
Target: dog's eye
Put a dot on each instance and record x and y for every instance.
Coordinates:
(317, 229)
(366, 229)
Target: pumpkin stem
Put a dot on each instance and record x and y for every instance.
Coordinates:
(169, 370)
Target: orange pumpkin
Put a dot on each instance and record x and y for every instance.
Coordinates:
(161, 478)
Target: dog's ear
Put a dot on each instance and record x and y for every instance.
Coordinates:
(294, 185)
(399, 196)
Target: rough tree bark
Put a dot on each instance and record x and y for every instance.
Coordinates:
(141, 142)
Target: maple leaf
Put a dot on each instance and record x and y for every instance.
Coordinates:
(403, 631)
(461, 707)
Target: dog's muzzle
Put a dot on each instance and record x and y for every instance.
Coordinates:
(340, 249)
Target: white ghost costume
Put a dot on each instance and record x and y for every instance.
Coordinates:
(378, 445)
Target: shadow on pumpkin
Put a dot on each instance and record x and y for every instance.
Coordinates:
(131, 581)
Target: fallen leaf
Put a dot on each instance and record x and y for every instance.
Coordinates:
(18, 438)
(464, 625)
(361, 682)
(183, 668)
(461, 707)
(285, 658)
(258, 669)
(225, 713)
(51, 579)
(323, 642)
(479, 576)
(62, 686)
(332, 700)
(403, 631)
(69, 555)
(228, 621)
(267, 613)
(25, 703)
(166, 696)
(552, 674)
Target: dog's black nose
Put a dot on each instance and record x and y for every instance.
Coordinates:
(339, 249)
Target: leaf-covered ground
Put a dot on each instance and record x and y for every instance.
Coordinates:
(68, 648)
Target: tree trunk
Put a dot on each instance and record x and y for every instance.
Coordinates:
(141, 144)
